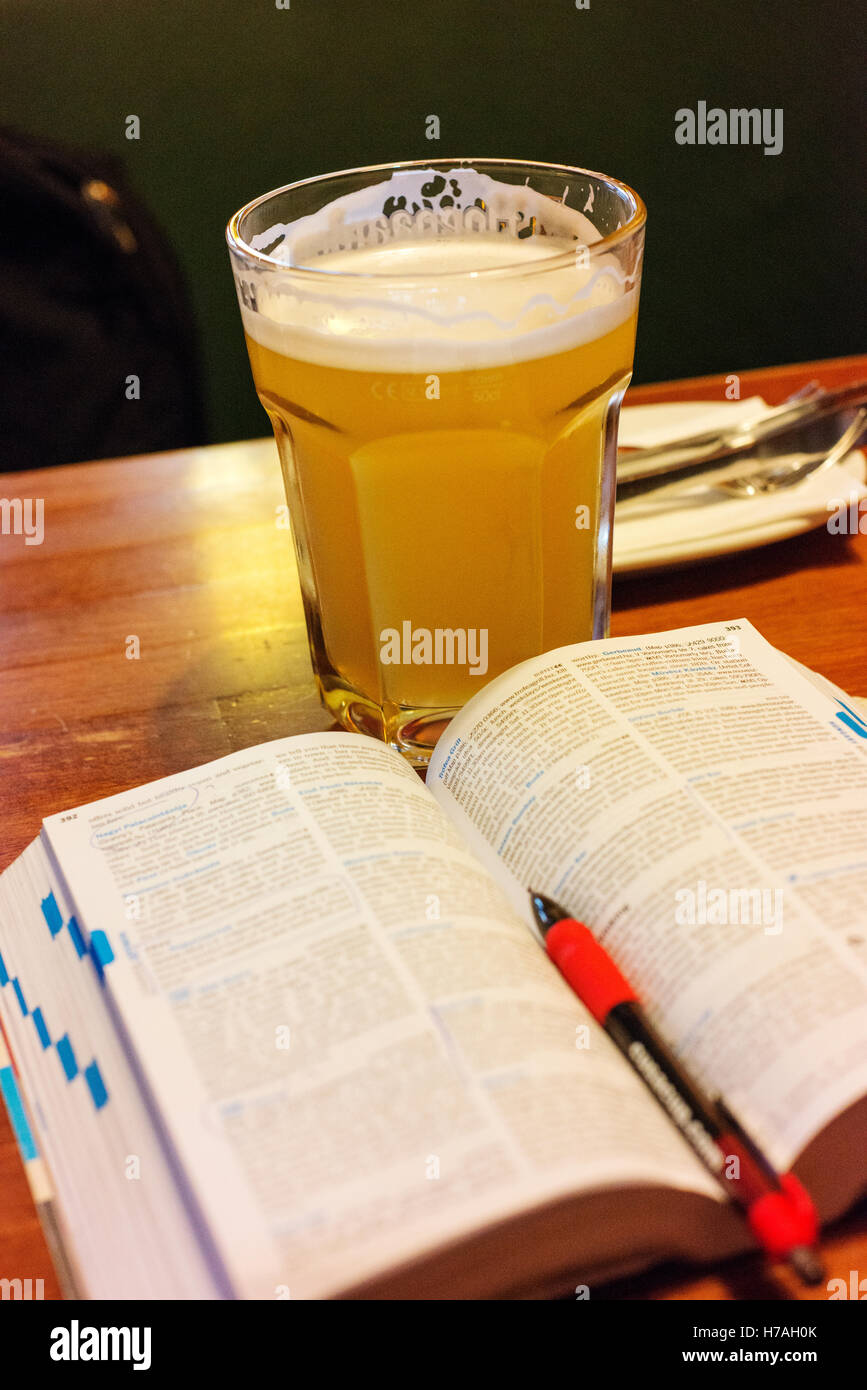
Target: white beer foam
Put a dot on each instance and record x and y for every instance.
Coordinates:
(357, 315)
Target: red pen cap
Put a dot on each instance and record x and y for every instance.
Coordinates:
(587, 966)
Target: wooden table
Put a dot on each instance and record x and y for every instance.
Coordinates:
(183, 551)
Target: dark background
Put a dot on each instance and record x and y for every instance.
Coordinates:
(750, 260)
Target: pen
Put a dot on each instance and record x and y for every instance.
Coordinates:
(779, 1210)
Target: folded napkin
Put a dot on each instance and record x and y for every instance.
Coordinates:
(645, 426)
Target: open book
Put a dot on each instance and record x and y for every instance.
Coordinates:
(282, 1027)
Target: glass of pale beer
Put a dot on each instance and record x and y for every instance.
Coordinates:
(442, 348)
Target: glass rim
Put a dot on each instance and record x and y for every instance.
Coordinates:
(237, 243)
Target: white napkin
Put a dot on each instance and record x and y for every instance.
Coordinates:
(644, 426)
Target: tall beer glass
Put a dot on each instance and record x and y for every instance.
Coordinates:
(442, 348)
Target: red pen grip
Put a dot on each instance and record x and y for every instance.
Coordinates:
(588, 968)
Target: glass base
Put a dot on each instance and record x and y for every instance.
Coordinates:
(411, 732)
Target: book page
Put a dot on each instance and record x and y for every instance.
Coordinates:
(701, 805)
(356, 1048)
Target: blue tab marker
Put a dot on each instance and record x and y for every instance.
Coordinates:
(51, 913)
(101, 951)
(93, 1077)
(41, 1029)
(77, 939)
(18, 991)
(4, 974)
(67, 1057)
(17, 1117)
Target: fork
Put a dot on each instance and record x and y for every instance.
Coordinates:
(789, 474)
